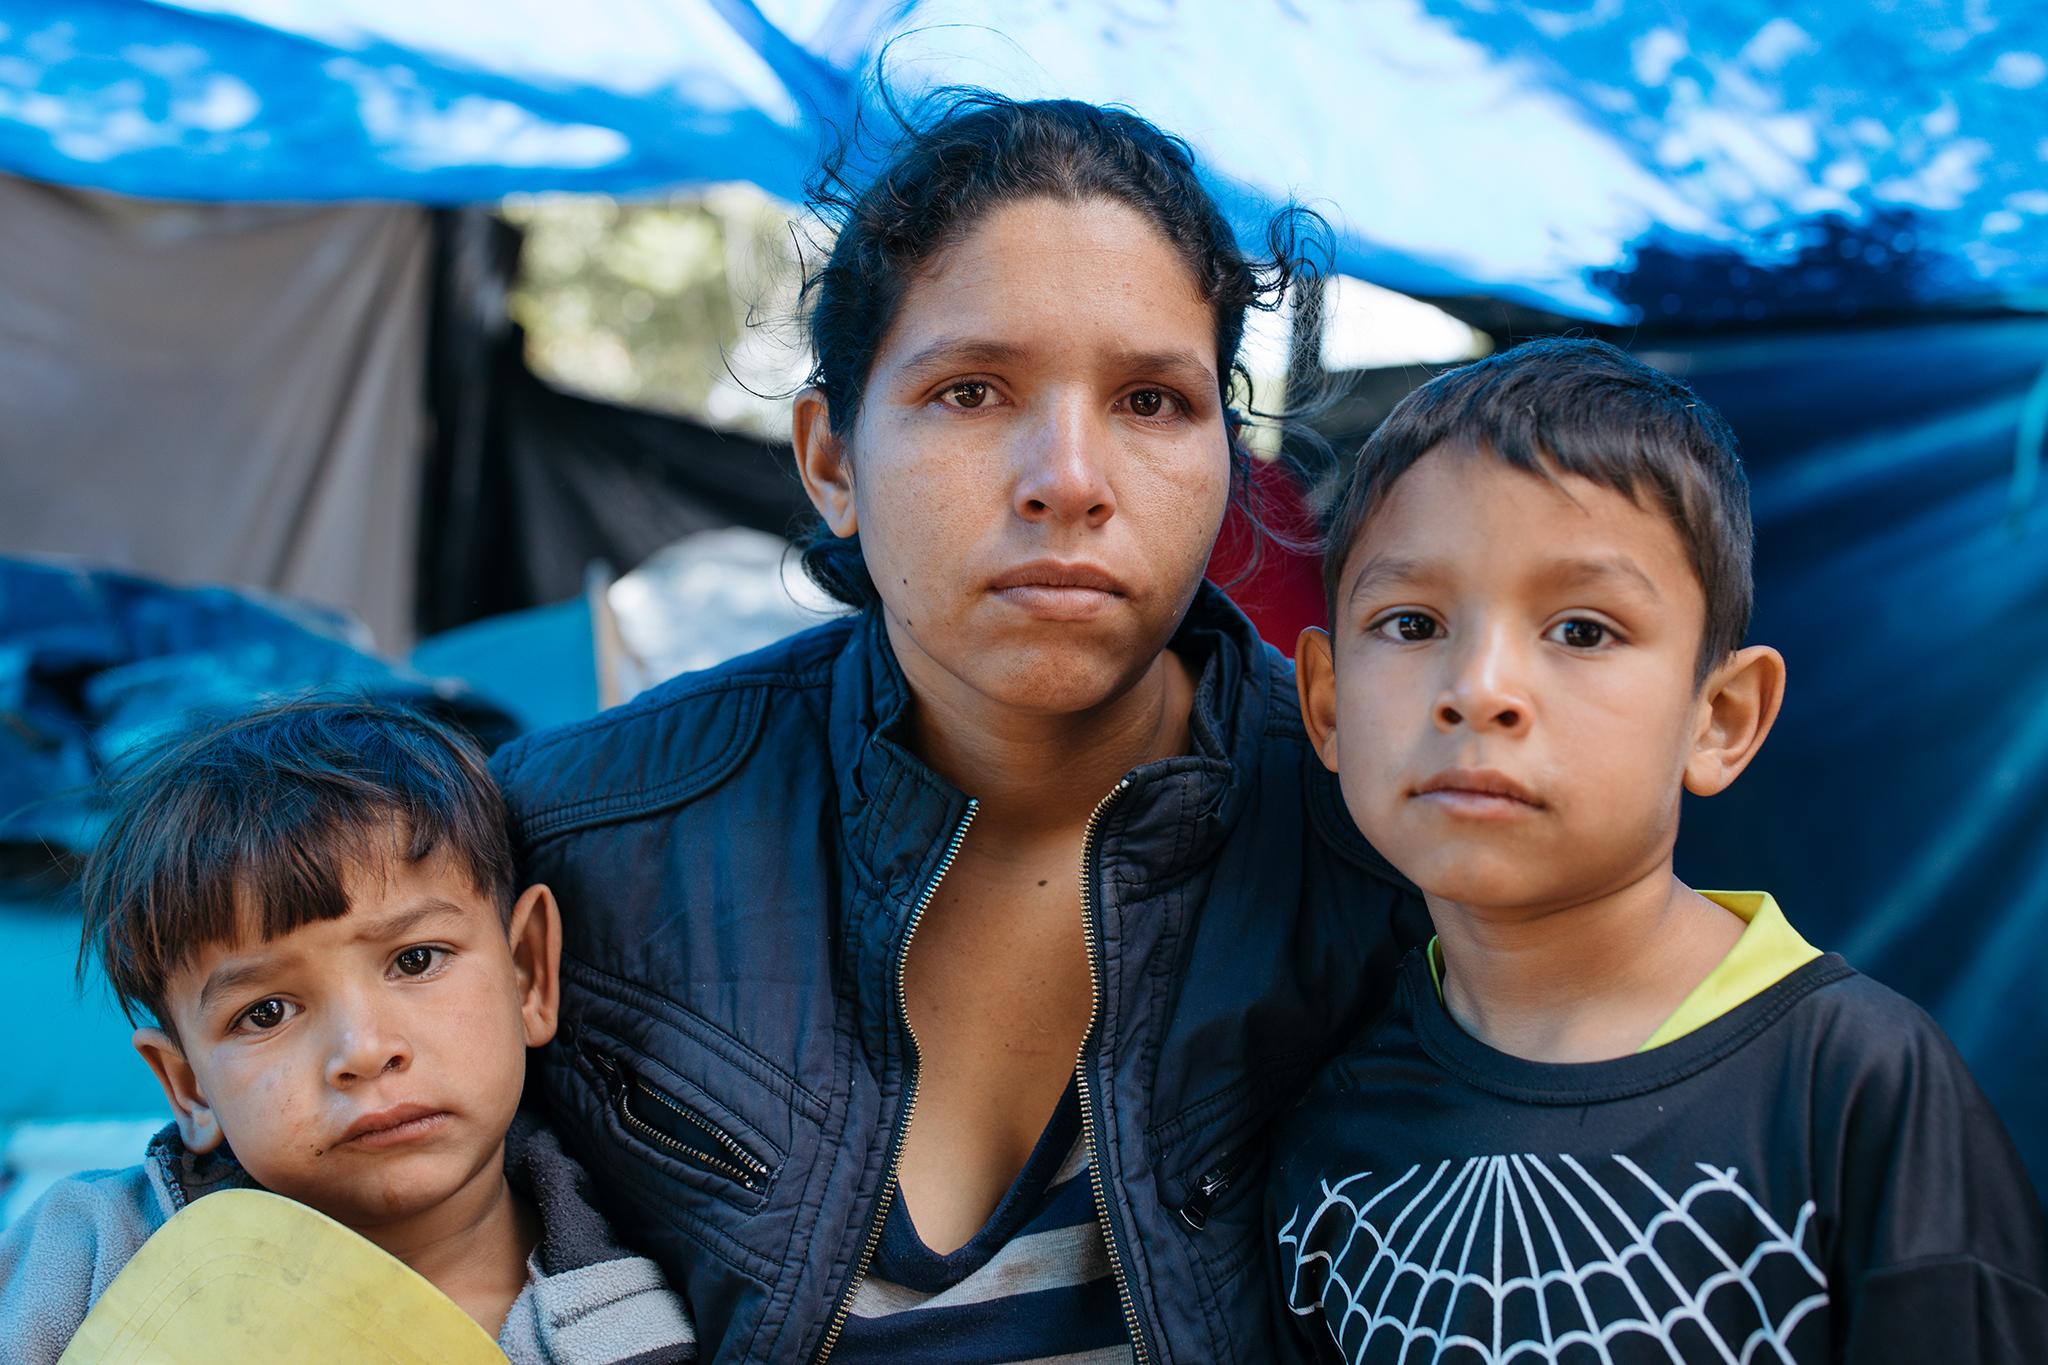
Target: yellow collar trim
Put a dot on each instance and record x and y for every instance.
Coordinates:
(1769, 950)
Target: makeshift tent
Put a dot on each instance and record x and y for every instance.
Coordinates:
(1830, 217)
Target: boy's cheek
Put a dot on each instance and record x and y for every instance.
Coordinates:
(263, 1114)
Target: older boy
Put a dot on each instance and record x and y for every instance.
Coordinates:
(1606, 1117)
(314, 905)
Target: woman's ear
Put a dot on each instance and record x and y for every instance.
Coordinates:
(1315, 678)
(198, 1127)
(535, 934)
(1738, 704)
(821, 462)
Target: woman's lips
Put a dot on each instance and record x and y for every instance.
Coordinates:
(1055, 590)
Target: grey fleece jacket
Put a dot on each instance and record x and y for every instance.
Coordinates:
(587, 1301)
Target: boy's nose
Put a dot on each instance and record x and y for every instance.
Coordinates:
(1063, 477)
(365, 1051)
(1482, 713)
(1484, 693)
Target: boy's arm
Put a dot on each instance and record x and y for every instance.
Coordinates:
(59, 1256)
(1940, 1252)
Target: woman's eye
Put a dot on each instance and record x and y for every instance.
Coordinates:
(968, 395)
(1148, 402)
(265, 1014)
(418, 961)
(1411, 627)
(1580, 633)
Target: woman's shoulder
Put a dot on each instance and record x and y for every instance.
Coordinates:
(681, 734)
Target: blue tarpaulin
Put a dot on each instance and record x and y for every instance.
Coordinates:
(1772, 160)
(1902, 568)
(1770, 172)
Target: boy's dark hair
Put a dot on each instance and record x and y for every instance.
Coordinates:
(960, 155)
(250, 825)
(1570, 405)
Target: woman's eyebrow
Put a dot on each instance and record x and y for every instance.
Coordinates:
(955, 352)
(1184, 368)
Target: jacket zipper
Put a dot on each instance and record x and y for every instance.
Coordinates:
(1194, 1210)
(867, 1253)
(1102, 1214)
(738, 1163)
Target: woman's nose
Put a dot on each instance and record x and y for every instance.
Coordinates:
(1063, 476)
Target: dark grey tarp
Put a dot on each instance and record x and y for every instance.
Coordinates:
(218, 393)
(527, 485)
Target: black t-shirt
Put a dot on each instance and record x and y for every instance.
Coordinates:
(1813, 1176)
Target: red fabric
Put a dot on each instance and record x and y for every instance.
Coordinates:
(1284, 594)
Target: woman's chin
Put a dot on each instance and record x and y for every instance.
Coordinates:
(1033, 663)
(1058, 678)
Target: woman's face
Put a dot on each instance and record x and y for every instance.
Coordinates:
(1040, 466)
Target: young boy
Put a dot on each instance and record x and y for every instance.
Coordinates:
(314, 906)
(1605, 1117)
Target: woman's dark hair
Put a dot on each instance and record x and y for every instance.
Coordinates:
(963, 153)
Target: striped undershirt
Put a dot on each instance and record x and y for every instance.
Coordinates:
(1034, 1285)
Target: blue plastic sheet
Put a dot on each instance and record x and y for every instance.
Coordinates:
(95, 664)
(1902, 568)
(1732, 162)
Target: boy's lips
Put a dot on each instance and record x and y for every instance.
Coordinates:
(1477, 792)
(393, 1127)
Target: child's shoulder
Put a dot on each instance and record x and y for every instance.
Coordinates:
(98, 1218)
(1846, 1041)
(62, 1252)
(1862, 1034)
(92, 1199)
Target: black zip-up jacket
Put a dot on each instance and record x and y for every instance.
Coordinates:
(741, 856)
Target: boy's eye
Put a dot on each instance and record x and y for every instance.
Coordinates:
(266, 1014)
(418, 961)
(971, 394)
(1411, 627)
(1580, 633)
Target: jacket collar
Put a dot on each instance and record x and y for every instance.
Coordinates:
(180, 1176)
(898, 815)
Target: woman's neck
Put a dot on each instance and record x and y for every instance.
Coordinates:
(1046, 771)
(1583, 982)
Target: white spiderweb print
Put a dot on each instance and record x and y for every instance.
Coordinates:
(1513, 1260)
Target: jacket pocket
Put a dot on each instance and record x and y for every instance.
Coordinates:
(1204, 1190)
(1214, 1185)
(658, 1118)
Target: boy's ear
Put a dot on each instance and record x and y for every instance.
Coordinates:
(1315, 678)
(536, 936)
(197, 1124)
(1738, 703)
(821, 462)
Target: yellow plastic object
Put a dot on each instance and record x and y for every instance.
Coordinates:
(244, 1275)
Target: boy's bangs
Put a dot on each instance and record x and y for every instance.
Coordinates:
(253, 830)
(1571, 406)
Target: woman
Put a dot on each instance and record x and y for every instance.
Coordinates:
(931, 977)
